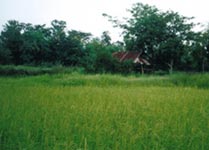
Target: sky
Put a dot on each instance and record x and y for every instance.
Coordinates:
(86, 15)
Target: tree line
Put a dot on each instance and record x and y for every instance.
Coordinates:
(38, 45)
(165, 38)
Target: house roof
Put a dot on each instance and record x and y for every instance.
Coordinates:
(130, 55)
(124, 56)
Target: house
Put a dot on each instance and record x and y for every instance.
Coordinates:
(133, 56)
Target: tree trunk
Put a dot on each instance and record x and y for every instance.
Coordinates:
(203, 65)
(170, 67)
(142, 69)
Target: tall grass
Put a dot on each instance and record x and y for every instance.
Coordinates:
(74, 111)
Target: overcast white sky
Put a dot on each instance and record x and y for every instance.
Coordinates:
(86, 15)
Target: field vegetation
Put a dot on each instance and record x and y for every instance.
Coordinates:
(63, 89)
(103, 111)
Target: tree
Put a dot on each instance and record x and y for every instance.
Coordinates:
(67, 47)
(74, 48)
(160, 36)
(58, 37)
(37, 44)
(200, 51)
(5, 54)
(105, 38)
(99, 55)
(35, 48)
(11, 36)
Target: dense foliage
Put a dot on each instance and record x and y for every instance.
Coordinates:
(166, 39)
(27, 44)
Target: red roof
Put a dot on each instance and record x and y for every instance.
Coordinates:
(130, 55)
(123, 56)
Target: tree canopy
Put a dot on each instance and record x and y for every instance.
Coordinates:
(161, 36)
(165, 38)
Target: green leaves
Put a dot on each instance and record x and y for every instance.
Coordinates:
(37, 44)
(160, 36)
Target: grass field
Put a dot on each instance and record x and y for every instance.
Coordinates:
(104, 112)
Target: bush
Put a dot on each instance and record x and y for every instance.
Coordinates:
(126, 67)
(161, 72)
(10, 70)
(5, 56)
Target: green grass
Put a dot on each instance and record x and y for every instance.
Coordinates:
(79, 112)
